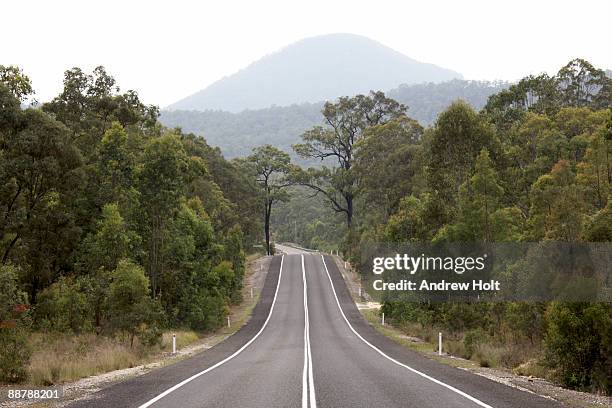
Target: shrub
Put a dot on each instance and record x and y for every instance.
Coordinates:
(131, 309)
(63, 306)
(204, 310)
(14, 324)
(15, 354)
(578, 343)
(472, 340)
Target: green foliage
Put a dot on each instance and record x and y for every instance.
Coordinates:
(16, 81)
(347, 119)
(98, 201)
(131, 309)
(270, 167)
(578, 344)
(110, 242)
(14, 322)
(236, 134)
(472, 339)
(64, 307)
(458, 137)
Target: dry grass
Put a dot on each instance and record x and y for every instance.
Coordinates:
(61, 358)
(58, 359)
(183, 338)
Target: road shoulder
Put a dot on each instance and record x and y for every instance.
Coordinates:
(533, 385)
(246, 318)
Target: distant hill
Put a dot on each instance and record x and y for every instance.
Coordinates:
(237, 133)
(312, 70)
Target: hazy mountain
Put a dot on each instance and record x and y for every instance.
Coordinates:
(237, 133)
(313, 70)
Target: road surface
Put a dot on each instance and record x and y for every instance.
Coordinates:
(307, 346)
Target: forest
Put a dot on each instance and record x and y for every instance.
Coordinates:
(533, 165)
(111, 224)
(282, 126)
(116, 226)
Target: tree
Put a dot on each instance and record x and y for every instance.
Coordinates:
(40, 173)
(388, 163)
(16, 81)
(64, 307)
(557, 209)
(600, 227)
(578, 344)
(458, 137)
(407, 224)
(131, 308)
(271, 167)
(116, 166)
(480, 217)
(345, 120)
(165, 173)
(582, 84)
(594, 172)
(90, 103)
(101, 251)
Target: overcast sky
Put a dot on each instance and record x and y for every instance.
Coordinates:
(168, 50)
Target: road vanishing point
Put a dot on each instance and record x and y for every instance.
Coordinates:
(307, 345)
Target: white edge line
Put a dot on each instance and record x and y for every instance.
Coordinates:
(450, 387)
(193, 377)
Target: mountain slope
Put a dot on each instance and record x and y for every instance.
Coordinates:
(312, 70)
(237, 133)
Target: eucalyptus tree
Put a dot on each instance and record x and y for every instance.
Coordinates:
(271, 168)
(345, 123)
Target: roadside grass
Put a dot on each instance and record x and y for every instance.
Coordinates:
(520, 358)
(59, 357)
(424, 347)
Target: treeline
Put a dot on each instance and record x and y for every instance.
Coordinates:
(535, 164)
(109, 222)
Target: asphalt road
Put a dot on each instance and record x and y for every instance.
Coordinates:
(307, 346)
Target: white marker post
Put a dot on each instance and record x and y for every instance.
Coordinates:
(251, 292)
(173, 343)
(383, 318)
(360, 291)
(228, 322)
(439, 343)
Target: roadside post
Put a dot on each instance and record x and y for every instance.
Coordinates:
(383, 319)
(439, 343)
(173, 343)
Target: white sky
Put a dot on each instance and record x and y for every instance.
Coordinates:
(168, 50)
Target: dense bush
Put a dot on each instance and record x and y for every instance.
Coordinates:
(132, 310)
(117, 225)
(579, 344)
(14, 322)
(64, 307)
